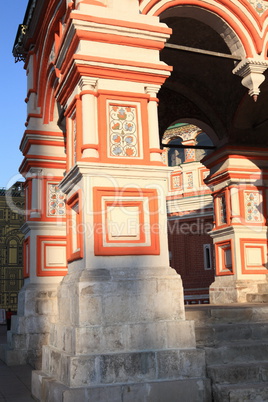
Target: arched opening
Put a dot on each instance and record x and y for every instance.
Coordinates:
(185, 142)
(204, 49)
(190, 209)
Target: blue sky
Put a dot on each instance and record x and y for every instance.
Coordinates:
(13, 93)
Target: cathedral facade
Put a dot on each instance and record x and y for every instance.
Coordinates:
(145, 118)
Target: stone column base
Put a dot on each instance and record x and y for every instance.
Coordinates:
(226, 290)
(30, 329)
(172, 375)
(121, 334)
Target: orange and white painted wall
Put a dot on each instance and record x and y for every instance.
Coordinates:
(96, 182)
(94, 73)
(92, 125)
(97, 76)
(240, 233)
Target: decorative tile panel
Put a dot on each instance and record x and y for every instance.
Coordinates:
(56, 201)
(123, 132)
(253, 207)
(259, 5)
(190, 182)
(176, 181)
(189, 154)
(164, 156)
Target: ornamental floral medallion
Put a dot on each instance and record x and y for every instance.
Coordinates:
(190, 180)
(56, 201)
(259, 5)
(253, 209)
(123, 135)
(176, 181)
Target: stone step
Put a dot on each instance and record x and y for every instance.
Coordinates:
(116, 368)
(240, 392)
(257, 297)
(235, 340)
(237, 352)
(236, 373)
(234, 313)
(211, 335)
(45, 388)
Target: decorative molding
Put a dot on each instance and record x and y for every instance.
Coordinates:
(152, 90)
(34, 172)
(252, 72)
(87, 83)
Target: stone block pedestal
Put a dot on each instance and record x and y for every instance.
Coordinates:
(45, 388)
(121, 334)
(226, 290)
(37, 309)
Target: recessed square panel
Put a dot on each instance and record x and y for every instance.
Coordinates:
(75, 233)
(224, 258)
(228, 258)
(55, 256)
(51, 256)
(126, 221)
(253, 256)
(123, 222)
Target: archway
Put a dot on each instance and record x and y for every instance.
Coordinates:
(205, 51)
(190, 209)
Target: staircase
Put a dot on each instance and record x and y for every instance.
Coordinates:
(235, 340)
